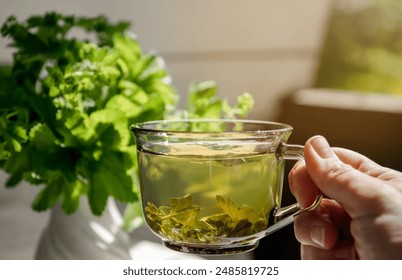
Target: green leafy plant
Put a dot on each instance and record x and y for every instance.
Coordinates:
(66, 104)
(180, 220)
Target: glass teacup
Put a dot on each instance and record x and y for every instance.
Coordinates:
(214, 186)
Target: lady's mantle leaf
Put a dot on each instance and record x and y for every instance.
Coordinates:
(110, 173)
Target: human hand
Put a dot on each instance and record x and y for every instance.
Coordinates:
(361, 218)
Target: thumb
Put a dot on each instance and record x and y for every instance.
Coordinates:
(338, 176)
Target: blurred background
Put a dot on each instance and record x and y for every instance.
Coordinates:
(330, 67)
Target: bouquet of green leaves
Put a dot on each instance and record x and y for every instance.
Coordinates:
(66, 105)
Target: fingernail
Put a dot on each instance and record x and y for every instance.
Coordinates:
(317, 235)
(321, 147)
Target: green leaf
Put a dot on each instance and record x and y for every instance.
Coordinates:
(110, 174)
(179, 204)
(245, 104)
(42, 137)
(237, 213)
(97, 197)
(75, 131)
(143, 67)
(110, 128)
(50, 194)
(203, 102)
(124, 104)
(71, 196)
(203, 90)
(45, 163)
(16, 165)
(228, 206)
(128, 49)
(13, 134)
(45, 109)
(154, 109)
(4, 153)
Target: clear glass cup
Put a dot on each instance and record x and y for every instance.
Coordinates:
(214, 187)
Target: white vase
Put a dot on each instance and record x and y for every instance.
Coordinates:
(83, 236)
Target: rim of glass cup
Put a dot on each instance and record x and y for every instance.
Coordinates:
(275, 126)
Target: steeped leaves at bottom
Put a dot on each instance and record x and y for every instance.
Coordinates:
(180, 221)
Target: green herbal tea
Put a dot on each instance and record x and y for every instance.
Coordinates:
(214, 196)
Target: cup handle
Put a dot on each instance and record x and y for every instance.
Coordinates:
(286, 215)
